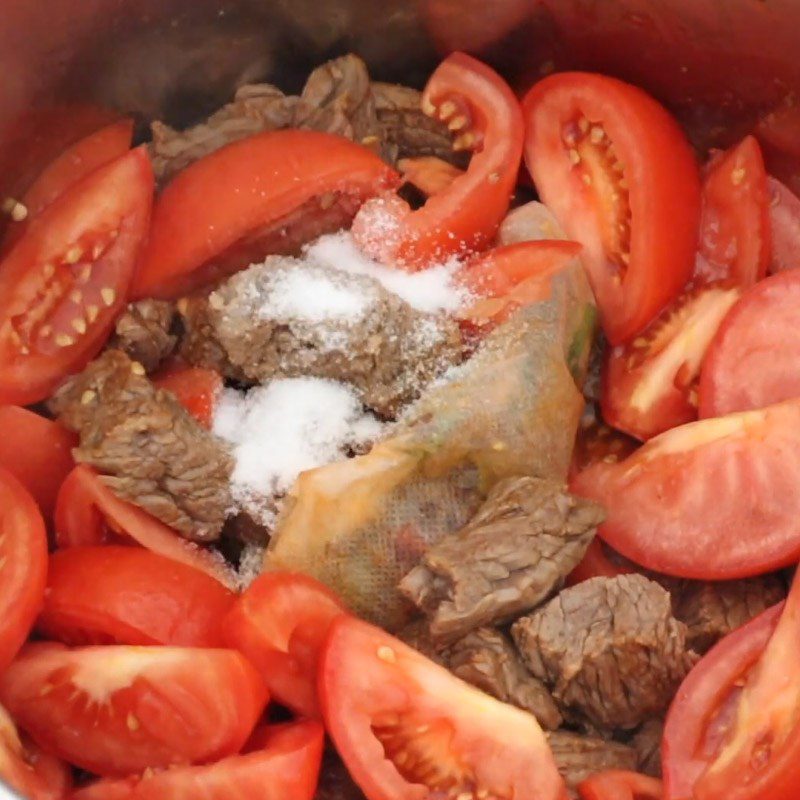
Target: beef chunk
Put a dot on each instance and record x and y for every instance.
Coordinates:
(712, 610)
(647, 744)
(609, 648)
(149, 449)
(577, 757)
(144, 332)
(253, 327)
(528, 535)
(487, 659)
(335, 782)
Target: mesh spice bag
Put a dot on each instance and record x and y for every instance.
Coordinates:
(512, 409)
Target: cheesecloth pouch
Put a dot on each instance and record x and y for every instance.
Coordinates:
(512, 409)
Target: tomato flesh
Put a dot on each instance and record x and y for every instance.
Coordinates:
(714, 499)
(754, 359)
(475, 102)
(23, 565)
(409, 730)
(735, 226)
(247, 190)
(429, 174)
(286, 768)
(118, 710)
(197, 389)
(64, 283)
(784, 217)
(650, 384)
(128, 595)
(620, 177)
(37, 452)
(620, 785)
(89, 513)
(280, 624)
(597, 563)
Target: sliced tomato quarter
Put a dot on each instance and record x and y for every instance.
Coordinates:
(475, 103)
(714, 499)
(620, 177)
(38, 452)
(650, 384)
(620, 785)
(735, 227)
(118, 710)
(196, 388)
(23, 565)
(286, 768)
(66, 280)
(89, 513)
(114, 594)
(754, 359)
(406, 728)
(280, 623)
(235, 205)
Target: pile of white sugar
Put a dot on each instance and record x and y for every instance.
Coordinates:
(286, 427)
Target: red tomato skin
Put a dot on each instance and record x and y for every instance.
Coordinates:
(466, 215)
(242, 188)
(111, 206)
(114, 594)
(735, 224)
(711, 500)
(712, 681)
(197, 389)
(280, 624)
(117, 710)
(89, 513)
(663, 190)
(76, 162)
(37, 452)
(23, 565)
(287, 768)
(620, 785)
(784, 218)
(753, 360)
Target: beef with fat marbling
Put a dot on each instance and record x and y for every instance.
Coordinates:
(145, 332)
(609, 648)
(149, 450)
(527, 537)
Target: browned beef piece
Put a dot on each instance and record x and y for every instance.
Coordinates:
(149, 449)
(647, 744)
(528, 535)
(417, 635)
(487, 659)
(712, 610)
(145, 332)
(609, 648)
(387, 350)
(335, 782)
(577, 757)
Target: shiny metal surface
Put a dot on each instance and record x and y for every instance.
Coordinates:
(715, 62)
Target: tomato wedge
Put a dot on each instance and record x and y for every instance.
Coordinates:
(735, 226)
(506, 278)
(89, 513)
(754, 359)
(197, 389)
(620, 177)
(63, 284)
(714, 499)
(620, 785)
(408, 729)
(476, 103)
(280, 624)
(117, 710)
(76, 162)
(128, 595)
(37, 452)
(23, 565)
(650, 384)
(287, 768)
(784, 217)
(703, 709)
(235, 205)
(23, 767)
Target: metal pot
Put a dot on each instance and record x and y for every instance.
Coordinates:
(716, 63)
